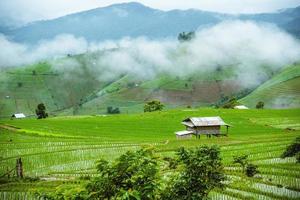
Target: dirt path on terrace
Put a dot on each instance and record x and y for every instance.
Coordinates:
(9, 127)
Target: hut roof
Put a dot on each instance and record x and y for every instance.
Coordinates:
(242, 107)
(204, 121)
(19, 115)
(181, 133)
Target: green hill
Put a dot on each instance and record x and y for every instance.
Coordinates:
(21, 89)
(81, 91)
(282, 91)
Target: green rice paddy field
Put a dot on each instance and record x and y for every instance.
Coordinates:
(60, 150)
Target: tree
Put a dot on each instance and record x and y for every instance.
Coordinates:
(248, 168)
(140, 175)
(293, 150)
(133, 175)
(154, 105)
(201, 171)
(251, 170)
(183, 37)
(260, 105)
(230, 103)
(111, 110)
(242, 160)
(41, 111)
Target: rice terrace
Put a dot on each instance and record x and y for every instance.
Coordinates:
(129, 101)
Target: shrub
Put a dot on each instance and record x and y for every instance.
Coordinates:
(248, 168)
(230, 103)
(133, 175)
(41, 111)
(111, 110)
(242, 160)
(292, 150)
(154, 105)
(251, 170)
(260, 105)
(201, 171)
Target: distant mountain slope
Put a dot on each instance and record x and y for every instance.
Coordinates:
(23, 88)
(282, 91)
(134, 19)
(117, 21)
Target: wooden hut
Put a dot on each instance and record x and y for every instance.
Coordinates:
(204, 126)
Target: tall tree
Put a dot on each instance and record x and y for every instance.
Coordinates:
(201, 171)
(154, 105)
(183, 37)
(41, 111)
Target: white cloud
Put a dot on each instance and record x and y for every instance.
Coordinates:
(248, 47)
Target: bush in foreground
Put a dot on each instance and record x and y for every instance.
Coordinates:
(140, 174)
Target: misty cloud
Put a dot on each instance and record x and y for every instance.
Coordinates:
(14, 54)
(250, 48)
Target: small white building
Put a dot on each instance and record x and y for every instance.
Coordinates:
(18, 116)
(241, 107)
(184, 134)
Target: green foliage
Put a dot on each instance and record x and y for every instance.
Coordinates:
(154, 105)
(41, 111)
(298, 157)
(292, 150)
(183, 37)
(248, 168)
(201, 171)
(134, 175)
(64, 192)
(230, 103)
(242, 160)
(251, 170)
(172, 162)
(260, 105)
(20, 84)
(112, 110)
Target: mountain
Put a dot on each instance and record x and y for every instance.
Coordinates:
(281, 91)
(134, 19)
(85, 93)
(115, 22)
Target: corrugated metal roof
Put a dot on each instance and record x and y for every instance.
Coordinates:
(180, 133)
(189, 124)
(205, 121)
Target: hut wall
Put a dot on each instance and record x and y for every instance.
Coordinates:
(208, 130)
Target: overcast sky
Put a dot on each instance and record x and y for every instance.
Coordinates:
(23, 11)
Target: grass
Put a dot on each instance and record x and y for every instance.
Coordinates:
(68, 147)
